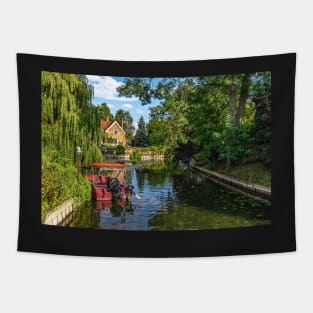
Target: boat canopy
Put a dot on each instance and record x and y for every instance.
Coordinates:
(111, 165)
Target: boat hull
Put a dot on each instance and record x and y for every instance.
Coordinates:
(101, 190)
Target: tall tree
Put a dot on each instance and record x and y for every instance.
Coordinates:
(126, 121)
(156, 130)
(141, 137)
(261, 96)
(104, 111)
(244, 94)
(68, 117)
(232, 100)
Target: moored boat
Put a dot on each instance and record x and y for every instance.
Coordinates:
(109, 187)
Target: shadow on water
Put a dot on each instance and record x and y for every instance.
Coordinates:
(172, 198)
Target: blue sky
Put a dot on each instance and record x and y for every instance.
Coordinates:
(105, 91)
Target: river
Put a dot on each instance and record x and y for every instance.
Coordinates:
(173, 198)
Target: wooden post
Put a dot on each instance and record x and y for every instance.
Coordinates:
(78, 153)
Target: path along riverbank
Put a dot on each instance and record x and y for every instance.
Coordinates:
(254, 191)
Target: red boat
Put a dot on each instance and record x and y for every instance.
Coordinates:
(109, 187)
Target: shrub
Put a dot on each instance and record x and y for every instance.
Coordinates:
(108, 139)
(119, 150)
(135, 156)
(59, 182)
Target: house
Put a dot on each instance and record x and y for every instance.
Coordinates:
(113, 132)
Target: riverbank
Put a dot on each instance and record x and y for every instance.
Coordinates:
(59, 183)
(256, 191)
(252, 173)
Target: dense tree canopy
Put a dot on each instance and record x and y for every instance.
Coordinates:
(222, 118)
(68, 117)
(141, 138)
(104, 111)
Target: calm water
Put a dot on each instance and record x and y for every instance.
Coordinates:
(173, 199)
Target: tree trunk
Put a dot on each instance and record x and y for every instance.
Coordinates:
(244, 94)
(232, 100)
(232, 110)
(227, 168)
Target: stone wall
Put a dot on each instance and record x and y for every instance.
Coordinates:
(60, 213)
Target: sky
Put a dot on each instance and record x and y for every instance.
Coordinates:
(105, 90)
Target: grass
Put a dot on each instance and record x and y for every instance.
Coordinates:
(256, 173)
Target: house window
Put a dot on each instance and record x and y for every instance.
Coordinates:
(115, 132)
(115, 141)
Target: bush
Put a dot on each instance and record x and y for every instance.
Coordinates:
(135, 156)
(108, 139)
(59, 182)
(119, 150)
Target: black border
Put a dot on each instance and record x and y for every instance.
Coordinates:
(277, 237)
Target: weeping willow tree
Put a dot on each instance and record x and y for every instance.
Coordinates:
(68, 117)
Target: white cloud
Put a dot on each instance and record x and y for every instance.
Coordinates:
(127, 106)
(111, 106)
(105, 87)
(135, 125)
(139, 111)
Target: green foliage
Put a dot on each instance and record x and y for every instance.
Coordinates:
(262, 122)
(140, 87)
(108, 139)
(256, 173)
(156, 130)
(220, 118)
(157, 149)
(233, 143)
(59, 181)
(135, 156)
(104, 111)
(119, 149)
(141, 137)
(261, 96)
(68, 118)
(127, 119)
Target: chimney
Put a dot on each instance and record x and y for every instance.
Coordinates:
(122, 123)
(107, 118)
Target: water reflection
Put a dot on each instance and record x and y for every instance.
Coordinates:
(173, 199)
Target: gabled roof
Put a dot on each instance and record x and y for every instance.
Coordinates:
(118, 125)
(106, 125)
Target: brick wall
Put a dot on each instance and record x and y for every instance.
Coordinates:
(116, 133)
